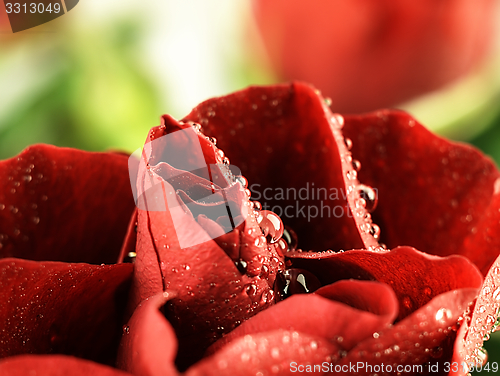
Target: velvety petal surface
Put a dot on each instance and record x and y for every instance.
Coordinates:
(54, 307)
(414, 276)
(424, 337)
(295, 159)
(345, 312)
(148, 345)
(60, 204)
(438, 196)
(54, 365)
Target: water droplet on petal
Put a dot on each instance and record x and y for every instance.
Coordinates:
(242, 180)
(242, 266)
(291, 238)
(356, 164)
(375, 231)
(443, 314)
(297, 281)
(257, 205)
(271, 225)
(348, 143)
(369, 195)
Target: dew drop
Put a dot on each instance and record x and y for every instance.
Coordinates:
(297, 281)
(443, 314)
(213, 140)
(257, 205)
(196, 126)
(242, 266)
(348, 143)
(291, 238)
(356, 164)
(251, 290)
(126, 329)
(242, 180)
(338, 119)
(271, 225)
(375, 231)
(369, 195)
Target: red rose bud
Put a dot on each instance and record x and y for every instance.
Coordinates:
(200, 232)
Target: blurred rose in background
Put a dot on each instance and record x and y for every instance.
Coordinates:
(367, 54)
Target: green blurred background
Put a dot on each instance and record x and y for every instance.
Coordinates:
(100, 77)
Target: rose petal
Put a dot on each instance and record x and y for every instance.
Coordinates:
(482, 321)
(351, 312)
(263, 353)
(63, 204)
(414, 276)
(148, 345)
(54, 365)
(293, 149)
(53, 307)
(434, 194)
(417, 339)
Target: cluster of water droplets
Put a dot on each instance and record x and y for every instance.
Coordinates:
(487, 320)
(367, 199)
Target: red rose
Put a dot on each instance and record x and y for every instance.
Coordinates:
(393, 50)
(232, 304)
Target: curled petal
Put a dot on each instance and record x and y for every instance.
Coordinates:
(414, 276)
(345, 312)
(420, 339)
(148, 345)
(438, 196)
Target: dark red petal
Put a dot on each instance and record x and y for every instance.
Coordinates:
(54, 365)
(291, 142)
(417, 339)
(59, 204)
(434, 195)
(351, 312)
(148, 345)
(414, 276)
(53, 307)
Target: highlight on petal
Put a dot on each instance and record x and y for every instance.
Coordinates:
(296, 161)
(54, 365)
(148, 345)
(60, 204)
(435, 195)
(415, 277)
(53, 307)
